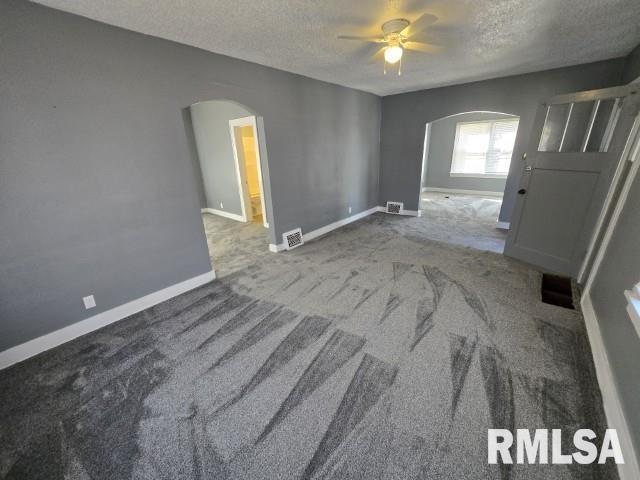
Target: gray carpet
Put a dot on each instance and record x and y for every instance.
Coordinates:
(467, 220)
(371, 353)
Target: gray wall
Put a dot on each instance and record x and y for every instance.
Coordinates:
(404, 117)
(98, 190)
(632, 66)
(217, 164)
(442, 134)
(193, 155)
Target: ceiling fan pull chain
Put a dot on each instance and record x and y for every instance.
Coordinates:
(400, 67)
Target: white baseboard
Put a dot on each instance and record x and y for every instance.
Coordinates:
(222, 213)
(456, 191)
(38, 345)
(276, 248)
(503, 225)
(327, 228)
(610, 399)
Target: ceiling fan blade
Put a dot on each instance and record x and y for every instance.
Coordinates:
(421, 47)
(362, 39)
(420, 25)
(378, 56)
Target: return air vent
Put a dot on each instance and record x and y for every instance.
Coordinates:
(292, 239)
(395, 207)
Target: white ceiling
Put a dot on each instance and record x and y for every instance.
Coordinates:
(478, 39)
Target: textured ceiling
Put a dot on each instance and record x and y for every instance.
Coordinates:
(477, 39)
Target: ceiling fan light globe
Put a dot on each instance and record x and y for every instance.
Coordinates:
(393, 54)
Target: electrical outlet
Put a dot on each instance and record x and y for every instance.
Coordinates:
(221, 205)
(349, 209)
(89, 302)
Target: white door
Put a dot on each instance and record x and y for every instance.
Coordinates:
(575, 147)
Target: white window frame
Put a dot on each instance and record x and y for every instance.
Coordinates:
(633, 307)
(455, 142)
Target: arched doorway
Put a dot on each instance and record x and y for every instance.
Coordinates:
(466, 160)
(228, 145)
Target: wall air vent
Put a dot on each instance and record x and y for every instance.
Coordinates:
(292, 239)
(395, 207)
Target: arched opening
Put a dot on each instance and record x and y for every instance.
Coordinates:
(228, 146)
(466, 160)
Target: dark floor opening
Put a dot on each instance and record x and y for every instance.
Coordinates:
(556, 290)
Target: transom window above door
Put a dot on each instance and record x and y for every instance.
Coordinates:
(484, 148)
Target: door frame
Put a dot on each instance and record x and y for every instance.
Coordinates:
(245, 199)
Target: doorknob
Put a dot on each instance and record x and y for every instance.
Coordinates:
(522, 191)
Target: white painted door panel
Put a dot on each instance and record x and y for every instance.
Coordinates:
(575, 145)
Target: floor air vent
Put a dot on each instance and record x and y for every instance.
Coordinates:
(557, 290)
(395, 207)
(292, 239)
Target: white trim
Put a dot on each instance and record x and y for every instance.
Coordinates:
(633, 307)
(425, 154)
(503, 225)
(478, 175)
(232, 216)
(328, 228)
(45, 342)
(239, 173)
(340, 223)
(240, 170)
(457, 191)
(610, 397)
(276, 248)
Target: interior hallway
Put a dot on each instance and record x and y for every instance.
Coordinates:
(373, 352)
(467, 220)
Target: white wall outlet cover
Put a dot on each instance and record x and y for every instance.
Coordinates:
(349, 209)
(221, 205)
(89, 302)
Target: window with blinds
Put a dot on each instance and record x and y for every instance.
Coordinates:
(483, 149)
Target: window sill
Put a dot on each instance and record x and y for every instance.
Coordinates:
(477, 175)
(633, 308)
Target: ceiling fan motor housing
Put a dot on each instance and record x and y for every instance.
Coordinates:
(395, 26)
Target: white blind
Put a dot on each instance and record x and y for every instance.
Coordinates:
(484, 148)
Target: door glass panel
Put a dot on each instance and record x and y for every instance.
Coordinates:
(553, 129)
(578, 127)
(600, 123)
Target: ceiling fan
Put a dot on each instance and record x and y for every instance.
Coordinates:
(399, 35)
